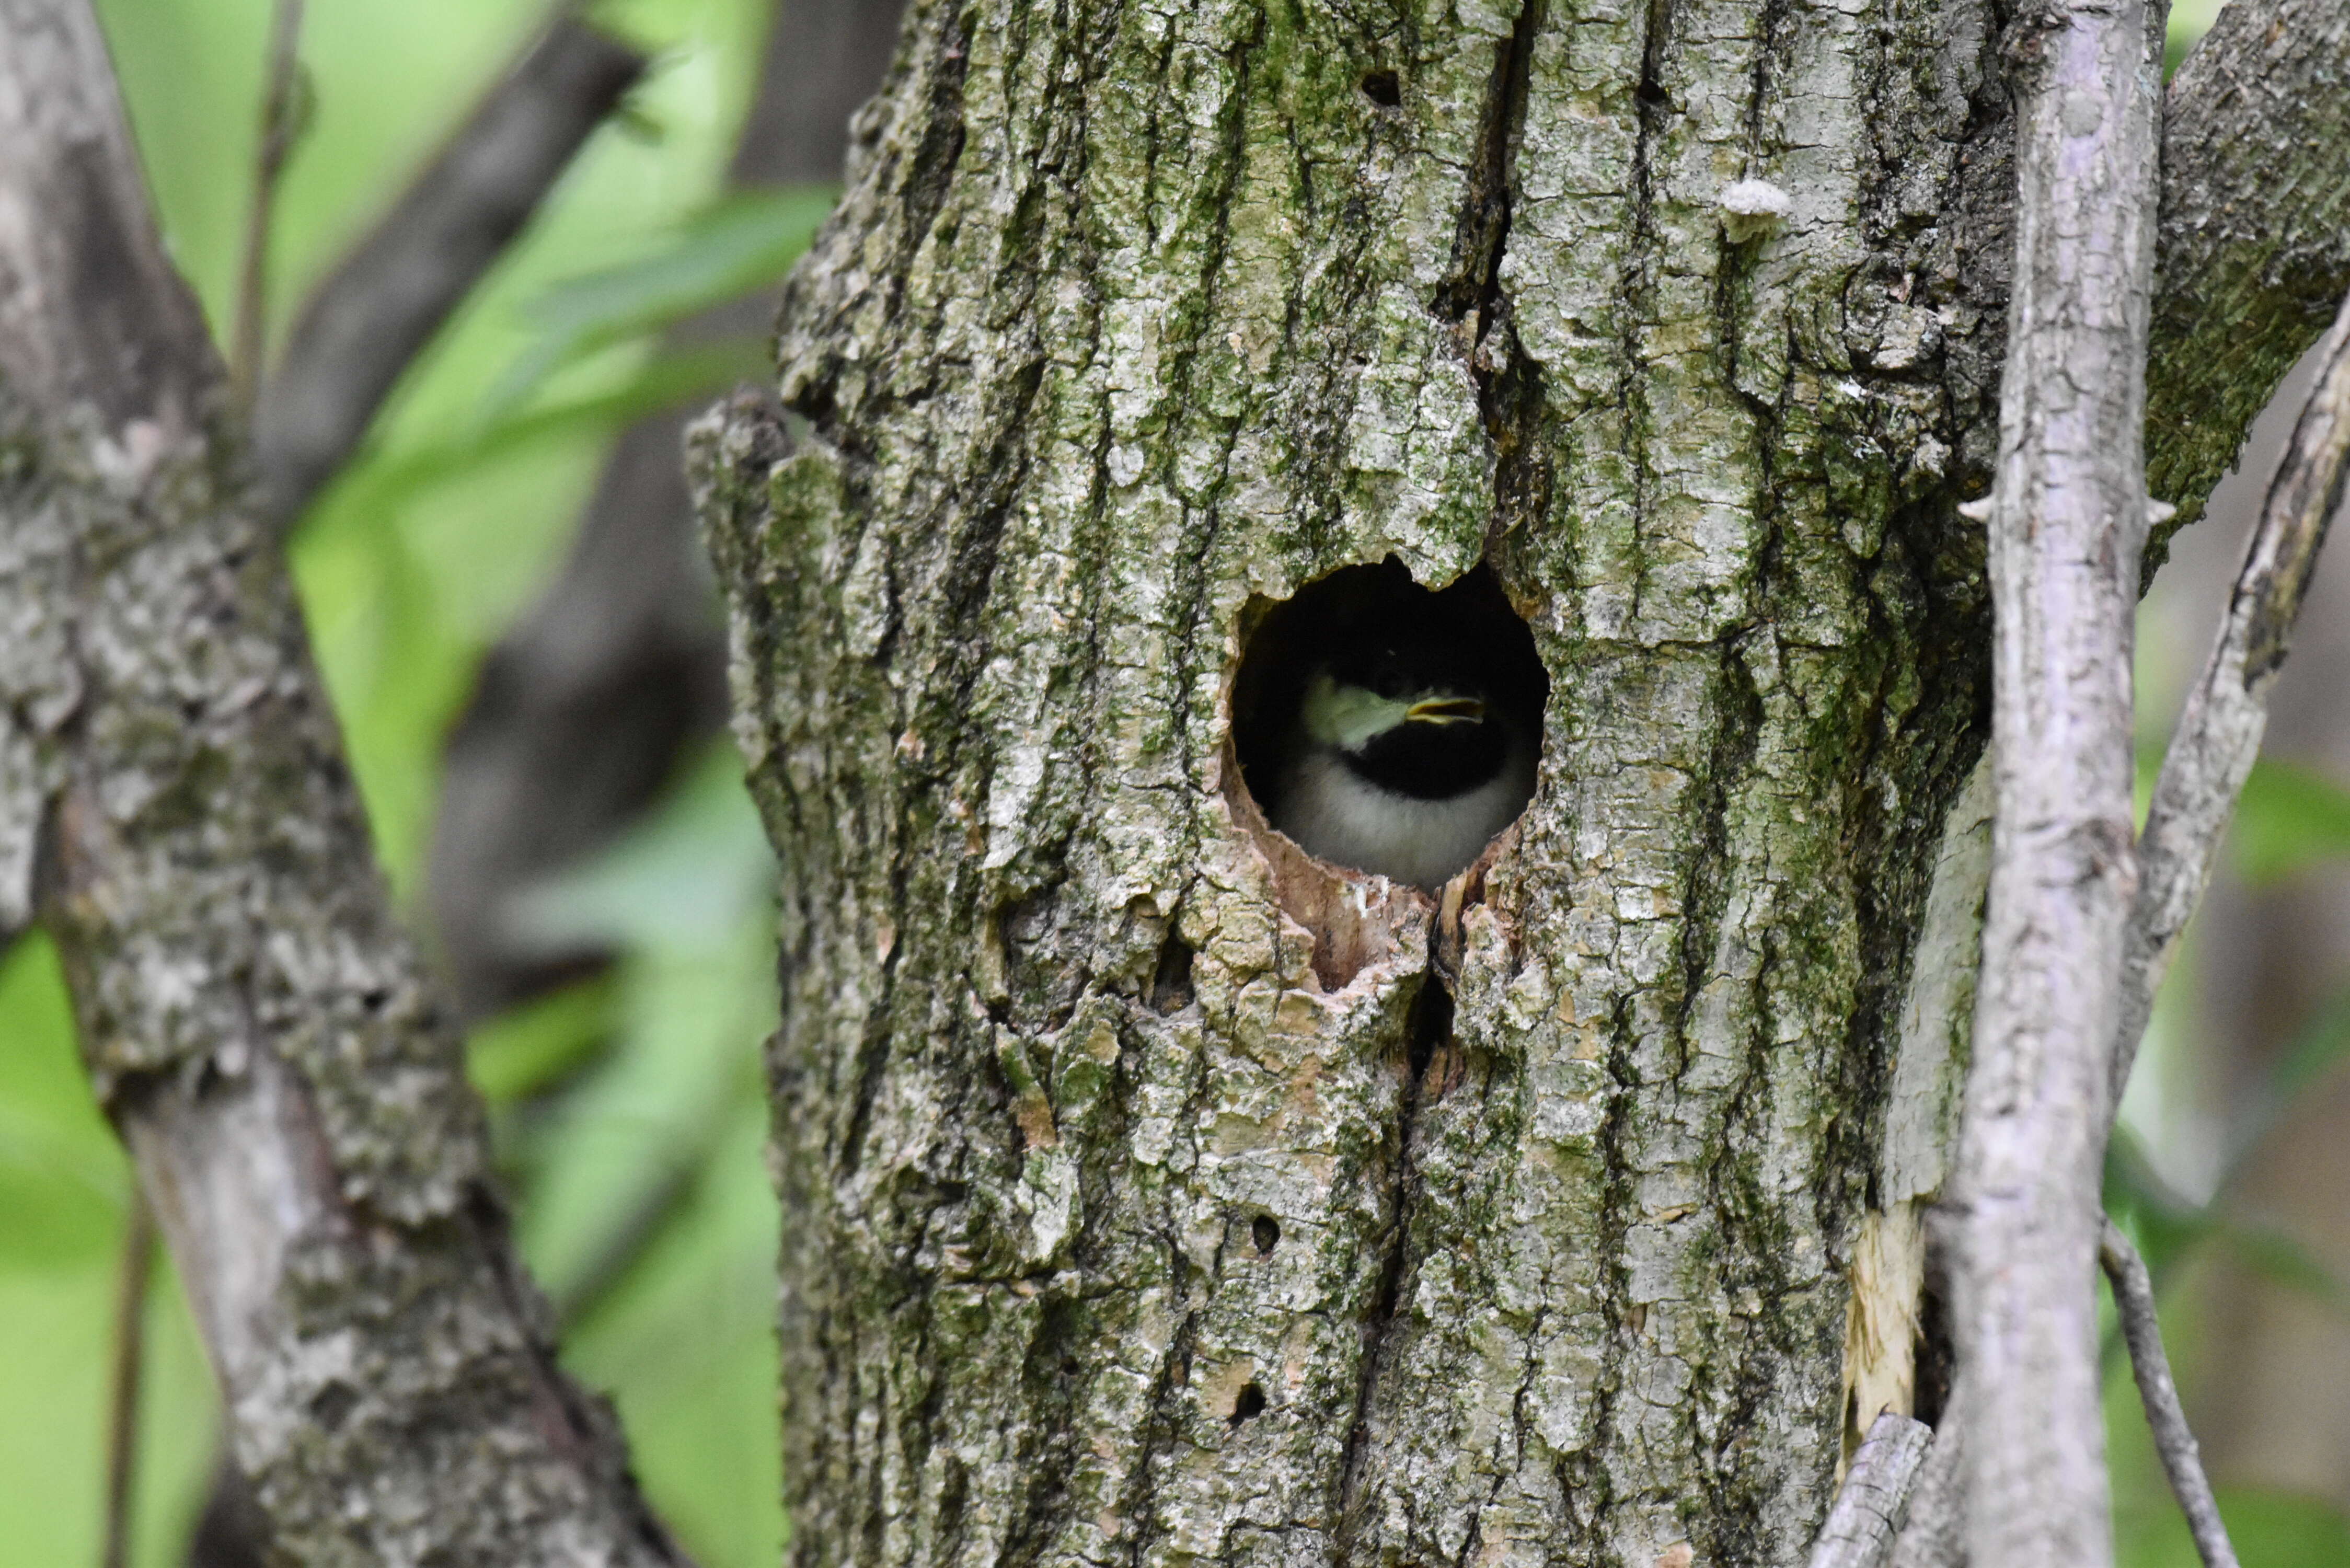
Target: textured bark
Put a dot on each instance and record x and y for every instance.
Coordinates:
(1160, 1194)
(1870, 1506)
(1155, 1195)
(2255, 237)
(257, 1027)
(2067, 520)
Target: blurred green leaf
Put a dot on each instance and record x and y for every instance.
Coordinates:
(686, 376)
(58, 1203)
(686, 1342)
(63, 1180)
(2282, 1259)
(2164, 1225)
(64, 1187)
(684, 881)
(739, 243)
(2290, 819)
(530, 1048)
(686, 900)
(2320, 1045)
(2189, 20)
(2268, 1529)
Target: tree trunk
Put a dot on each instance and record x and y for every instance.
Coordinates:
(1158, 1192)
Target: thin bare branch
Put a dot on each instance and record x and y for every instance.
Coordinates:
(2067, 525)
(385, 300)
(281, 118)
(2182, 1462)
(255, 1022)
(1859, 1530)
(2219, 734)
(130, 1358)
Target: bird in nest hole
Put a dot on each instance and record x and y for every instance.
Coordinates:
(1407, 755)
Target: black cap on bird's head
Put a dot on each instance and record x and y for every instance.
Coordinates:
(1425, 693)
(1376, 684)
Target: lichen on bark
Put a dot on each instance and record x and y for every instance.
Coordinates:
(1130, 315)
(175, 810)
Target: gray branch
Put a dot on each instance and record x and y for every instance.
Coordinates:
(1934, 1535)
(2067, 525)
(255, 1022)
(385, 301)
(2219, 733)
(2181, 1460)
(2254, 250)
(1868, 1510)
(282, 114)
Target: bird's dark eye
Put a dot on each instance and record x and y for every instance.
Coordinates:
(1389, 684)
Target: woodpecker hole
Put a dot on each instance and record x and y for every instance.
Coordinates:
(1250, 1404)
(1265, 1231)
(1459, 661)
(1383, 88)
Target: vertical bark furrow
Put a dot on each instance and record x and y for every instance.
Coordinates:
(1213, 301)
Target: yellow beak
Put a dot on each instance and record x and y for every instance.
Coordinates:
(1446, 710)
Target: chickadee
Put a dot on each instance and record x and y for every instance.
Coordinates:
(1403, 761)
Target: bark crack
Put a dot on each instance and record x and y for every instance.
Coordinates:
(1428, 1025)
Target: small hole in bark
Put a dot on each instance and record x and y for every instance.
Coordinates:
(332, 1406)
(1170, 984)
(1265, 1231)
(1383, 88)
(1386, 727)
(1250, 1403)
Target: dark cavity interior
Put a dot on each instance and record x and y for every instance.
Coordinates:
(1346, 620)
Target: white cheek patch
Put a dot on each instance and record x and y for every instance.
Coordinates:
(1349, 716)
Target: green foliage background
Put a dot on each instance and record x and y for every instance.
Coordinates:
(630, 1110)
